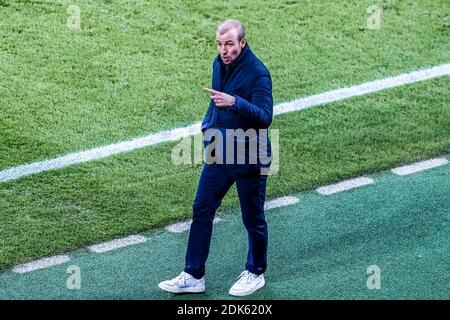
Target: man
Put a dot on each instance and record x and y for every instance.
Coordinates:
(241, 99)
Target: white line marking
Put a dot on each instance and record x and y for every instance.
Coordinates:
(41, 264)
(178, 133)
(419, 166)
(345, 185)
(280, 202)
(364, 88)
(117, 243)
(185, 225)
(98, 153)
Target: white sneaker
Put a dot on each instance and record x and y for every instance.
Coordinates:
(184, 283)
(247, 284)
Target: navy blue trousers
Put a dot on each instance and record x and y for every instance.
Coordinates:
(215, 181)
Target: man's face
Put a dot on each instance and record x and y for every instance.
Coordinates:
(229, 46)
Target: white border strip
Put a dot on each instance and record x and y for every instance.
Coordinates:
(344, 185)
(117, 243)
(41, 264)
(185, 225)
(280, 202)
(365, 88)
(419, 166)
(98, 153)
(178, 133)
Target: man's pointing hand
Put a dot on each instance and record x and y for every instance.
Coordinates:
(221, 99)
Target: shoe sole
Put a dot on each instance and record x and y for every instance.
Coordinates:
(242, 294)
(182, 290)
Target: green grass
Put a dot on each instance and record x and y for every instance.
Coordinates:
(137, 69)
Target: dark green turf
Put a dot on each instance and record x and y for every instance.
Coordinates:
(319, 249)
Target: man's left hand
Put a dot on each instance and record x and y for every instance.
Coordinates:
(221, 99)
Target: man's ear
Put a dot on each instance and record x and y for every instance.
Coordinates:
(243, 43)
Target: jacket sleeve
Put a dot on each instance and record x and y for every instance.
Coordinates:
(260, 107)
(207, 118)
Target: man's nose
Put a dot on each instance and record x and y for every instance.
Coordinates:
(223, 50)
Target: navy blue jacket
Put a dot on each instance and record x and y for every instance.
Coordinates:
(250, 82)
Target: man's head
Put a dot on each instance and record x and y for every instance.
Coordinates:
(230, 39)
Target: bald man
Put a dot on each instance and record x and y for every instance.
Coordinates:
(241, 101)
